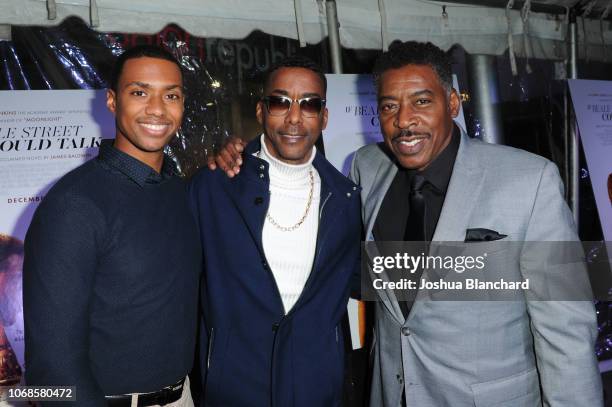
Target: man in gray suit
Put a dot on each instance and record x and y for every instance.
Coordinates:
(429, 181)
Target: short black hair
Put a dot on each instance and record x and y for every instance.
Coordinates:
(139, 51)
(401, 54)
(295, 61)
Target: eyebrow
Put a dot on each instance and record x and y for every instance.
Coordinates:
(417, 93)
(311, 95)
(422, 92)
(148, 86)
(304, 95)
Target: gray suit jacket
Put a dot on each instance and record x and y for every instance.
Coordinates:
(486, 353)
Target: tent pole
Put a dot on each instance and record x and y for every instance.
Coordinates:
(572, 148)
(485, 96)
(334, 35)
(5, 32)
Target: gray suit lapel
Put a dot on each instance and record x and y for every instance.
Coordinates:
(384, 176)
(461, 196)
(461, 200)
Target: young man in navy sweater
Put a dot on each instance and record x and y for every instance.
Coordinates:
(112, 256)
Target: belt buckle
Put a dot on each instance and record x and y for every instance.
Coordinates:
(164, 397)
(166, 394)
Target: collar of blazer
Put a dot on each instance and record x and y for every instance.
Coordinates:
(332, 180)
(250, 193)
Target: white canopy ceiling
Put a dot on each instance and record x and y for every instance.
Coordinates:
(478, 29)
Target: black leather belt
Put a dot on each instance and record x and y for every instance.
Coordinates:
(162, 397)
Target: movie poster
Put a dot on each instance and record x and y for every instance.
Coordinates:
(592, 102)
(43, 135)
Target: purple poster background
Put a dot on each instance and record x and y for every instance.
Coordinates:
(592, 102)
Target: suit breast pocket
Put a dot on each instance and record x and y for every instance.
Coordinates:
(519, 390)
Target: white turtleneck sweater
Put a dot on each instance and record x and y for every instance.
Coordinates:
(290, 254)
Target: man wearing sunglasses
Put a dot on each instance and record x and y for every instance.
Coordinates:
(271, 331)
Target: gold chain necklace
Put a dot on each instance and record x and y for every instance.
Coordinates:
(308, 205)
(303, 218)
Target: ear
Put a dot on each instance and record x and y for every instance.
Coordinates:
(454, 103)
(324, 122)
(111, 100)
(259, 112)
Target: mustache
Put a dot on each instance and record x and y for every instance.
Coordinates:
(409, 133)
(292, 130)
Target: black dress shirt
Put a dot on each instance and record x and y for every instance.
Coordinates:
(391, 221)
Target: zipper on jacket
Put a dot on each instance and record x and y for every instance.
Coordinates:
(329, 194)
(269, 269)
(314, 261)
(210, 344)
(285, 315)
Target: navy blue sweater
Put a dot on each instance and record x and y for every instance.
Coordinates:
(112, 264)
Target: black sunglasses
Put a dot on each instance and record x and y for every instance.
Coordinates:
(278, 105)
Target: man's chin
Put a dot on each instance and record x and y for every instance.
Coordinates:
(294, 157)
(409, 163)
(292, 142)
(155, 147)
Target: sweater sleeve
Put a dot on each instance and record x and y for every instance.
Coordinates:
(59, 269)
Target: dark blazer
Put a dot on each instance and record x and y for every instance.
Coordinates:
(253, 354)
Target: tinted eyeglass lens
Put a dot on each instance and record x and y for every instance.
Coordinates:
(278, 106)
(311, 106)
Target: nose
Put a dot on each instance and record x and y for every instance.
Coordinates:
(155, 106)
(294, 115)
(406, 117)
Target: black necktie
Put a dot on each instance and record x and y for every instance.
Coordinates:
(415, 226)
(415, 230)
